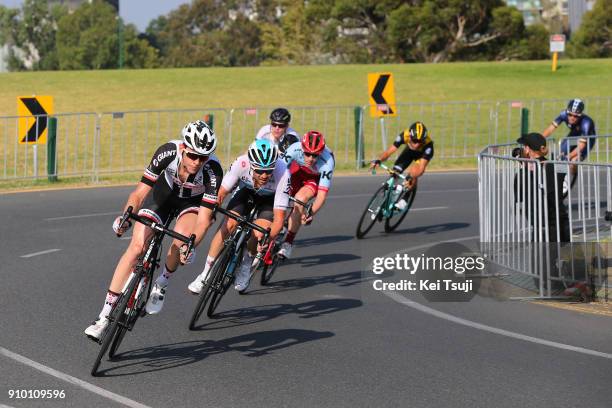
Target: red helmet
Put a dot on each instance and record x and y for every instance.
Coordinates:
(313, 142)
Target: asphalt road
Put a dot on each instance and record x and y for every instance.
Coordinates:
(319, 336)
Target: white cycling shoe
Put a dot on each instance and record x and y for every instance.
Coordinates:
(242, 277)
(401, 205)
(196, 286)
(285, 250)
(156, 300)
(97, 329)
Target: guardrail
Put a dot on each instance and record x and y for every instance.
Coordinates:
(90, 144)
(527, 226)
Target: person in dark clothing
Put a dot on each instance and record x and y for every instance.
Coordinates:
(534, 147)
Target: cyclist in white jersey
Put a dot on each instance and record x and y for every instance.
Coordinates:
(278, 131)
(311, 165)
(183, 177)
(260, 176)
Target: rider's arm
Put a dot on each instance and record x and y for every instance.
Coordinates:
(277, 223)
(222, 194)
(418, 169)
(137, 197)
(555, 124)
(319, 201)
(209, 200)
(385, 155)
(548, 131)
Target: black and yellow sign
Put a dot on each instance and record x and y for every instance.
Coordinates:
(32, 124)
(381, 94)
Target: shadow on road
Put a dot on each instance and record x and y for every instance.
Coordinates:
(341, 279)
(257, 314)
(434, 229)
(327, 239)
(167, 356)
(315, 260)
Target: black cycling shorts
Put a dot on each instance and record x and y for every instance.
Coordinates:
(240, 203)
(160, 203)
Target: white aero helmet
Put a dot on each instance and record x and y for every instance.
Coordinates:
(199, 137)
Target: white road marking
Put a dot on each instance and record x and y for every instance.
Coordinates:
(5, 406)
(428, 208)
(48, 251)
(72, 380)
(406, 302)
(82, 216)
(126, 238)
(425, 309)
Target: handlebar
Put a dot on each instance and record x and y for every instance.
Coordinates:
(243, 220)
(128, 214)
(391, 171)
(307, 207)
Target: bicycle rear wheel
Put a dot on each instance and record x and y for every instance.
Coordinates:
(372, 213)
(212, 283)
(116, 315)
(397, 216)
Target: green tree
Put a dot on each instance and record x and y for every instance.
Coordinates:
(594, 37)
(30, 32)
(88, 39)
(443, 30)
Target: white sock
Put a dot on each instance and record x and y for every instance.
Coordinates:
(111, 299)
(209, 261)
(162, 279)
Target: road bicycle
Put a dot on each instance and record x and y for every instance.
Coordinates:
(382, 204)
(272, 260)
(131, 303)
(222, 272)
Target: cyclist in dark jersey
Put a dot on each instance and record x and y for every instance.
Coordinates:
(419, 148)
(579, 124)
(183, 177)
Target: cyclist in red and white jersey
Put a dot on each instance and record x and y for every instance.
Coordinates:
(256, 178)
(183, 177)
(278, 131)
(311, 165)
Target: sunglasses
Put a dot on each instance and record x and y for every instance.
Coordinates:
(196, 157)
(261, 171)
(573, 115)
(315, 155)
(279, 125)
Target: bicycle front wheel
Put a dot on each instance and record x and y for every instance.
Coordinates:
(371, 213)
(117, 315)
(398, 216)
(212, 283)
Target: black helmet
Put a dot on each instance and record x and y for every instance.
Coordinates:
(280, 115)
(575, 106)
(417, 132)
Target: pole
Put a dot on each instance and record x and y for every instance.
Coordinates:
(554, 61)
(524, 121)
(51, 150)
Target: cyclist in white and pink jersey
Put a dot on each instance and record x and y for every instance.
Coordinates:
(260, 178)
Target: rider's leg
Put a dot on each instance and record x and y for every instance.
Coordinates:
(305, 194)
(140, 236)
(185, 224)
(264, 220)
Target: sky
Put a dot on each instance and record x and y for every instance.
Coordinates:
(138, 12)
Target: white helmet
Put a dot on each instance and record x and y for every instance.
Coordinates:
(199, 137)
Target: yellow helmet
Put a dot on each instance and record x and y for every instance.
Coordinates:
(417, 133)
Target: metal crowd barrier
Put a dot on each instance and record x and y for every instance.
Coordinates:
(521, 228)
(90, 144)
